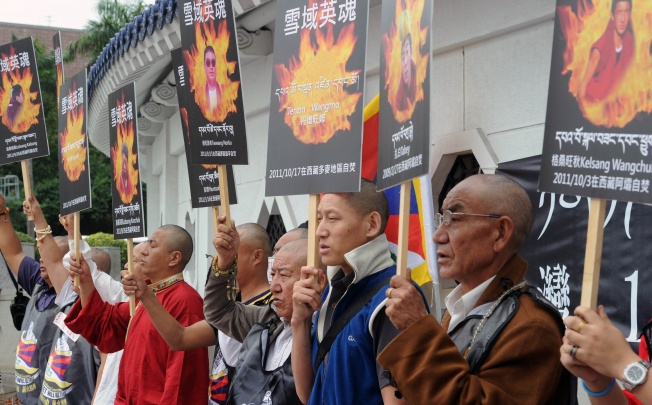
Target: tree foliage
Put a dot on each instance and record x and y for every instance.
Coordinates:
(113, 15)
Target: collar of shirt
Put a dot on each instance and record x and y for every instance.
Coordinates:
(280, 348)
(459, 305)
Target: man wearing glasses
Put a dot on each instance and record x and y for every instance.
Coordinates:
(498, 342)
(213, 88)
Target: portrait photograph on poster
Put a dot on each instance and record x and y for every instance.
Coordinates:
(203, 178)
(316, 108)
(214, 92)
(404, 135)
(598, 131)
(22, 126)
(74, 168)
(127, 196)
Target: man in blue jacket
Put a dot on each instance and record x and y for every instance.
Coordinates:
(353, 246)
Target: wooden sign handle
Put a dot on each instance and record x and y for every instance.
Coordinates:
(403, 229)
(313, 245)
(27, 183)
(76, 238)
(130, 268)
(593, 254)
(224, 193)
(215, 210)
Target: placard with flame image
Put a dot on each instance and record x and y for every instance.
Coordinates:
(74, 168)
(23, 130)
(203, 179)
(598, 136)
(214, 90)
(316, 105)
(128, 210)
(404, 134)
(58, 59)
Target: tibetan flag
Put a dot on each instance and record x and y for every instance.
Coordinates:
(421, 248)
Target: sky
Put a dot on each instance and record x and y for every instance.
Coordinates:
(54, 13)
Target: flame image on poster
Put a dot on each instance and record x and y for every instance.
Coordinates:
(611, 87)
(73, 144)
(125, 172)
(406, 65)
(207, 63)
(317, 76)
(183, 112)
(18, 107)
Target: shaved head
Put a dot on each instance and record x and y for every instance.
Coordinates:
(101, 259)
(62, 242)
(504, 196)
(256, 236)
(290, 236)
(298, 250)
(178, 239)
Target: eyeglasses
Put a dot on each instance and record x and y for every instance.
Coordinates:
(447, 216)
(210, 62)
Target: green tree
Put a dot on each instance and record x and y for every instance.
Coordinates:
(113, 15)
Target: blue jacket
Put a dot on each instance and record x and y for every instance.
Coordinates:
(350, 376)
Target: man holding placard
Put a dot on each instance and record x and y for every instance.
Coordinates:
(172, 377)
(352, 318)
(499, 341)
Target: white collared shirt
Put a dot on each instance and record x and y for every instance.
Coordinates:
(281, 348)
(460, 305)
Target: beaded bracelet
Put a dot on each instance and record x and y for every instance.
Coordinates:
(230, 270)
(44, 232)
(601, 393)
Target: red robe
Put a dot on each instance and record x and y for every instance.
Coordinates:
(150, 372)
(611, 68)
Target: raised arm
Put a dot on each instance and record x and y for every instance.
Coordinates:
(232, 318)
(9, 242)
(177, 336)
(306, 300)
(50, 252)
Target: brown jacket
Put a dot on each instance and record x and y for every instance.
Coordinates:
(523, 366)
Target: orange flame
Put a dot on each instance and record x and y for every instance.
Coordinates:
(317, 63)
(73, 144)
(634, 93)
(125, 173)
(184, 119)
(392, 48)
(206, 36)
(27, 114)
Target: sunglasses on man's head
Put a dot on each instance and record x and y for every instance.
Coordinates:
(210, 62)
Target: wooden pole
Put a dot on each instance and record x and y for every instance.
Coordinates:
(224, 194)
(76, 238)
(27, 183)
(313, 245)
(130, 267)
(403, 229)
(593, 255)
(216, 213)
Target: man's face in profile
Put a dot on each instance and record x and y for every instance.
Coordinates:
(406, 60)
(209, 66)
(621, 16)
(20, 97)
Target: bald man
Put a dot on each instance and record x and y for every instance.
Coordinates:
(498, 342)
(253, 253)
(171, 377)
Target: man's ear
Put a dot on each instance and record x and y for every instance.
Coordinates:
(258, 256)
(175, 258)
(503, 238)
(373, 224)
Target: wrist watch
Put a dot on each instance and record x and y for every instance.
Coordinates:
(635, 374)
